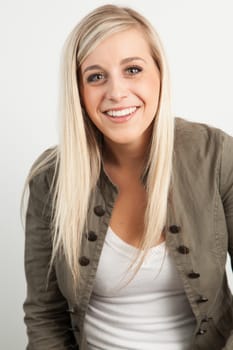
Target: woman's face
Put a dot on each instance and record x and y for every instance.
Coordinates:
(120, 87)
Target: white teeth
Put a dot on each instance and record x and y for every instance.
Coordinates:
(122, 112)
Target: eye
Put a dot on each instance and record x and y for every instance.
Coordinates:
(96, 77)
(133, 70)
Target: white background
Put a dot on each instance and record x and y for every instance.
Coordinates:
(197, 36)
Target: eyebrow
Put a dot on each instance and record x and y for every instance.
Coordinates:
(125, 60)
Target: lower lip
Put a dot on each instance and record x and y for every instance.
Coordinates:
(123, 119)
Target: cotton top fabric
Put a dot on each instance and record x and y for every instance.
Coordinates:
(150, 311)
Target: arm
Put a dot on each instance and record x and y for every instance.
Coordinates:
(226, 188)
(46, 317)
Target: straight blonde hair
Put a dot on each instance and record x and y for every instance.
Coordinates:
(77, 158)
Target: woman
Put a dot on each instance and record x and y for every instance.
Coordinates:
(130, 217)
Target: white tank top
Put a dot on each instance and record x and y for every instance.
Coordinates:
(150, 312)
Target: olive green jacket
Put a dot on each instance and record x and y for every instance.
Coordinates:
(199, 232)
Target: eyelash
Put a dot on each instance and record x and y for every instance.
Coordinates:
(93, 78)
(131, 71)
(137, 68)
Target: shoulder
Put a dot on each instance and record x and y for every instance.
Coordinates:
(200, 147)
(194, 129)
(199, 136)
(43, 170)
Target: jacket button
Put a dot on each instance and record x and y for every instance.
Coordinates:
(74, 329)
(99, 210)
(202, 299)
(174, 229)
(194, 275)
(182, 249)
(201, 331)
(91, 236)
(71, 310)
(84, 261)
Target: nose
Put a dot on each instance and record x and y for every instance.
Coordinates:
(116, 89)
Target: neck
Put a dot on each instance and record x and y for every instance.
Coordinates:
(126, 156)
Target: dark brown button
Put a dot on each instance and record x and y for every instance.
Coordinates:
(84, 261)
(74, 329)
(174, 229)
(71, 310)
(182, 249)
(202, 299)
(201, 331)
(99, 210)
(194, 275)
(91, 236)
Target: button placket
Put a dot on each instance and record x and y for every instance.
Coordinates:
(206, 319)
(182, 249)
(99, 210)
(91, 236)
(75, 329)
(71, 310)
(174, 229)
(84, 261)
(178, 241)
(202, 299)
(201, 331)
(193, 275)
(204, 323)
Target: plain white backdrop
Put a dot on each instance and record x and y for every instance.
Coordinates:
(197, 36)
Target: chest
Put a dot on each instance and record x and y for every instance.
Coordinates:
(127, 218)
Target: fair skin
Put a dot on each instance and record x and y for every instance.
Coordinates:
(120, 90)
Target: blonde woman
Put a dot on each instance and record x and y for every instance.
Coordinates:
(130, 217)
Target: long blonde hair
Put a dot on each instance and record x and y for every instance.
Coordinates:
(78, 157)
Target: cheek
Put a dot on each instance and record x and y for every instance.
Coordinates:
(154, 83)
(91, 99)
(154, 91)
(150, 95)
(88, 100)
(149, 89)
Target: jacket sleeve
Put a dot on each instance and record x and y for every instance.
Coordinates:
(46, 317)
(226, 188)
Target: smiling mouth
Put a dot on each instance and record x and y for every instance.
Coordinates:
(121, 112)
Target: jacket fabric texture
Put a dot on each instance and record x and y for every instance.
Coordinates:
(199, 233)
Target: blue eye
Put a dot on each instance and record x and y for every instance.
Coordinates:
(133, 70)
(95, 77)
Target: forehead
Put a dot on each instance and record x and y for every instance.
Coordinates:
(127, 43)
